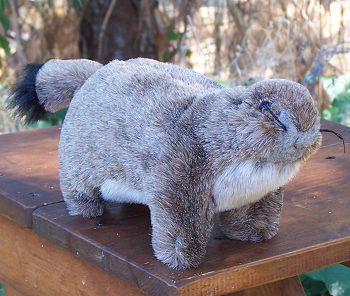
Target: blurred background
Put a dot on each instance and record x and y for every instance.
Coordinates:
(234, 41)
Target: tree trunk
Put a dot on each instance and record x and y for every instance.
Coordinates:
(121, 29)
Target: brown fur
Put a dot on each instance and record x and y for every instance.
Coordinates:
(158, 134)
(255, 222)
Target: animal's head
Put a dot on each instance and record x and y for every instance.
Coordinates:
(284, 120)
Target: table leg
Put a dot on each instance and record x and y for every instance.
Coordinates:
(10, 290)
(287, 287)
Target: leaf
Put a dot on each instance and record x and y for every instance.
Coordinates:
(334, 85)
(166, 56)
(188, 53)
(172, 35)
(50, 120)
(347, 85)
(313, 287)
(3, 17)
(340, 108)
(4, 21)
(3, 5)
(336, 278)
(326, 114)
(4, 44)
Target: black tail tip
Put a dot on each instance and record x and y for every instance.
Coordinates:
(23, 100)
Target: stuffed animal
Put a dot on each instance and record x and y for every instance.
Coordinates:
(142, 131)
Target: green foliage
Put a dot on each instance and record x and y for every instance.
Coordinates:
(340, 109)
(5, 22)
(339, 91)
(2, 290)
(333, 280)
(4, 44)
(3, 17)
(78, 5)
(166, 56)
(313, 287)
(50, 120)
(174, 38)
(188, 53)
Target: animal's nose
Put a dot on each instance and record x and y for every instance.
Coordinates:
(304, 140)
(301, 143)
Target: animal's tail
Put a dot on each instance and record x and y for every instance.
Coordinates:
(49, 87)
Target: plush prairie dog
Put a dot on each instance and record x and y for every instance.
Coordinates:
(141, 131)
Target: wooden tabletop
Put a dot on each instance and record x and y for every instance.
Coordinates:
(314, 231)
(28, 173)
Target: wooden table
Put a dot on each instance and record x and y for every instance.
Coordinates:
(43, 251)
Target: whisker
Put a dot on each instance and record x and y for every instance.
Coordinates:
(322, 130)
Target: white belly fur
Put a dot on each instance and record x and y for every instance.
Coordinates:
(246, 182)
(113, 190)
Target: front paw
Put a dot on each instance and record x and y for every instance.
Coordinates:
(176, 253)
(250, 233)
(179, 238)
(255, 222)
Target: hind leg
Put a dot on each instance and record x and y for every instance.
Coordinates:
(88, 203)
(255, 222)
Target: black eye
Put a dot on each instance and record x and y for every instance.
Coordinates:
(265, 105)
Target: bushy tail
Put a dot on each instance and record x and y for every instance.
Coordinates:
(49, 87)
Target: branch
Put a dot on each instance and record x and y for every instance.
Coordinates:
(103, 29)
(14, 20)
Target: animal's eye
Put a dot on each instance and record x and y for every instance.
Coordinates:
(265, 105)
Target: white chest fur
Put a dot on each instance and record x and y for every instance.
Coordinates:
(113, 190)
(246, 182)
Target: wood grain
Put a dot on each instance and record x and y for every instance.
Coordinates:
(28, 173)
(35, 267)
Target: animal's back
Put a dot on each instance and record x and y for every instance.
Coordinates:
(122, 121)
